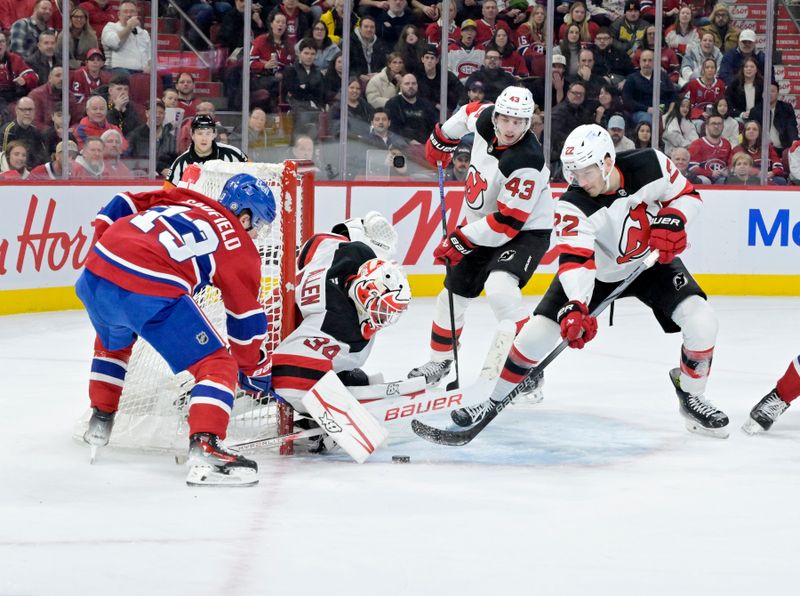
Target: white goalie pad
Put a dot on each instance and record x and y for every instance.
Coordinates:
(345, 420)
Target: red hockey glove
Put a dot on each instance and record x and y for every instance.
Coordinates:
(439, 148)
(452, 249)
(667, 234)
(577, 326)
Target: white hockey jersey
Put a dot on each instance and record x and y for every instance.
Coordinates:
(329, 337)
(507, 188)
(605, 237)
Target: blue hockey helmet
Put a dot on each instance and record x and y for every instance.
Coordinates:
(244, 191)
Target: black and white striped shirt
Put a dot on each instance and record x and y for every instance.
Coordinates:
(218, 151)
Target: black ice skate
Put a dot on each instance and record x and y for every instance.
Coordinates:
(432, 371)
(764, 413)
(99, 431)
(472, 414)
(701, 416)
(212, 464)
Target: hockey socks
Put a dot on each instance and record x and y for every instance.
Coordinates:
(788, 386)
(514, 372)
(695, 367)
(107, 377)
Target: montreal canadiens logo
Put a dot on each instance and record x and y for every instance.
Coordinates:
(474, 187)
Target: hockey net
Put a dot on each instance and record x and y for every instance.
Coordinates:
(154, 406)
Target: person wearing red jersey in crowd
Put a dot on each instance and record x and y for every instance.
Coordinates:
(95, 122)
(704, 91)
(669, 10)
(184, 85)
(711, 153)
(269, 57)
(578, 15)
(90, 163)
(297, 22)
(54, 169)
(46, 97)
(488, 24)
(533, 30)
(433, 32)
(152, 251)
(112, 154)
(772, 405)
(17, 79)
(101, 13)
(682, 33)
(14, 161)
(465, 56)
(751, 145)
(510, 60)
(87, 79)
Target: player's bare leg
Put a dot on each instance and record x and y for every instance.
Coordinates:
(772, 405)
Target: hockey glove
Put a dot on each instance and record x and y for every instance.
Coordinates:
(439, 148)
(255, 385)
(667, 234)
(452, 249)
(577, 326)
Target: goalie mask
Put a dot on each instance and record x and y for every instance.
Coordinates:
(381, 293)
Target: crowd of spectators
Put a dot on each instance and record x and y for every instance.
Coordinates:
(711, 83)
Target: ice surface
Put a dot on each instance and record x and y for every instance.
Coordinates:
(597, 490)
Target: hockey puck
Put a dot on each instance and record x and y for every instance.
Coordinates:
(401, 459)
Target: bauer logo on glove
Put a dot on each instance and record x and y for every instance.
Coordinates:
(452, 249)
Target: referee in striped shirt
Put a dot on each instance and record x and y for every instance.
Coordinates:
(204, 147)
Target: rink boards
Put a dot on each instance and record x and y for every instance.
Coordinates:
(745, 242)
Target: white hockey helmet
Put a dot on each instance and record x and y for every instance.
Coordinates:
(516, 102)
(587, 145)
(380, 292)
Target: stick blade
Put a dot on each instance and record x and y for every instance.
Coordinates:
(451, 438)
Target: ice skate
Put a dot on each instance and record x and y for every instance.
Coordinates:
(472, 414)
(212, 464)
(531, 390)
(765, 413)
(432, 371)
(701, 417)
(99, 431)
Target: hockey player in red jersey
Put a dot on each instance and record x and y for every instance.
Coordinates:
(152, 252)
(774, 403)
(509, 217)
(615, 211)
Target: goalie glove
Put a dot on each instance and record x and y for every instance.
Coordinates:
(439, 148)
(577, 326)
(373, 230)
(452, 249)
(667, 234)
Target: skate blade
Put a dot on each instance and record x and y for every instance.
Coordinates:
(210, 476)
(92, 454)
(528, 399)
(697, 428)
(751, 427)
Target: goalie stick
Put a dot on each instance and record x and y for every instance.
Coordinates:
(457, 438)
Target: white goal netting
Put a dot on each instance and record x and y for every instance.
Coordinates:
(154, 407)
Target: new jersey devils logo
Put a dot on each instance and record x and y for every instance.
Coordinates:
(635, 234)
(474, 187)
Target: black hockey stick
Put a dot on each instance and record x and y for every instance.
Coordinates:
(453, 384)
(457, 438)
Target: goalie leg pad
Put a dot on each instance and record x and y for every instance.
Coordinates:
(346, 421)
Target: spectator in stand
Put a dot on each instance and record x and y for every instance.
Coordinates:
(257, 133)
(680, 157)
(166, 140)
(429, 81)
(53, 134)
(48, 96)
(204, 148)
(570, 48)
(751, 144)
(682, 34)
(537, 125)
(608, 104)
(90, 162)
(412, 117)
(731, 128)
(565, 117)
(793, 159)
(611, 63)
(184, 85)
(578, 15)
(367, 52)
(386, 84)
(642, 135)
(669, 10)
(433, 32)
(616, 128)
(82, 37)
(231, 28)
(513, 12)
(711, 153)
(531, 40)
(637, 94)
(297, 22)
(745, 89)
(17, 79)
(204, 108)
(44, 58)
(112, 154)
(13, 161)
(326, 49)
(474, 93)
(459, 168)
(692, 64)
(742, 171)
(733, 59)
(586, 75)
(669, 61)
(333, 81)
(101, 13)
(465, 57)
(679, 130)
(170, 97)
(726, 36)
(510, 60)
(393, 20)
(334, 21)
(380, 134)
(488, 24)
(89, 78)
(783, 121)
(410, 46)
(304, 92)
(359, 111)
(126, 44)
(703, 92)
(25, 32)
(425, 11)
(269, 58)
(23, 129)
(303, 148)
(628, 30)
(493, 77)
(121, 112)
(558, 68)
(54, 169)
(95, 123)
